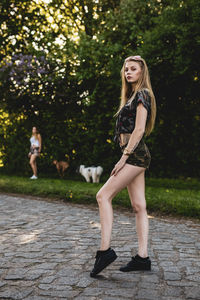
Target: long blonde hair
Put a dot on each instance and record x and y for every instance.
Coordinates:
(143, 83)
(36, 134)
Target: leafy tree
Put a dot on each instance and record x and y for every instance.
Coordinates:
(172, 49)
(60, 71)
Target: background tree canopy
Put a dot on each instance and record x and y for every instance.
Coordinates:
(60, 71)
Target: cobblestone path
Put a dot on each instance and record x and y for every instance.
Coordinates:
(47, 250)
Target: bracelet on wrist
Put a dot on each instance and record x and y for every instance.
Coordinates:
(126, 152)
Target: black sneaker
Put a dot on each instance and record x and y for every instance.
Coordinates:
(137, 263)
(103, 259)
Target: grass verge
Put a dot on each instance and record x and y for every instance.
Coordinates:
(164, 196)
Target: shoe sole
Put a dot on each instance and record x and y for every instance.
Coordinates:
(93, 274)
(136, 269)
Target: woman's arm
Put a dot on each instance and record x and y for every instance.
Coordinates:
(40, 141)
(138, 132)
(136, 135)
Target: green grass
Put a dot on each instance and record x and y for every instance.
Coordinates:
(164, 196)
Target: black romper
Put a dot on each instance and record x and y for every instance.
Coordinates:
(126, 123)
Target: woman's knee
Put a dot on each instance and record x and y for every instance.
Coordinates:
(139, 207)
(101, 197)
(32, 162)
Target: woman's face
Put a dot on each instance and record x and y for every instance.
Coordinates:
(34, 130)
(132, 71)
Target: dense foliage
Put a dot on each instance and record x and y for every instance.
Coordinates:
(60, 71)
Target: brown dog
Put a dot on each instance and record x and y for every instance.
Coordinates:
(61, 167)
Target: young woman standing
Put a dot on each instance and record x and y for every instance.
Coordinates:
(35, 149)
(135, 119)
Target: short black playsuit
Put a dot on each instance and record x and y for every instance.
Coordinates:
(125, 123)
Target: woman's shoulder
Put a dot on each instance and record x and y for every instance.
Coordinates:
(143, 92)
(143, 96)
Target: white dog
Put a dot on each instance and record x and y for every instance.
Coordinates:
(94, 172)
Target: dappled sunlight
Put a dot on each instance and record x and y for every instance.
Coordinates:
(27, 238)
(125, 223)
(94, 224)
(150, 217)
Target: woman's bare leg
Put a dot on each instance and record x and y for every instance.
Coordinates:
(33, 164)
(136, 190)
(105, 195)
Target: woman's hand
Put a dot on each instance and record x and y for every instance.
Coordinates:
(119, 165)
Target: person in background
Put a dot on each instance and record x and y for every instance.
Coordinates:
(35, 149)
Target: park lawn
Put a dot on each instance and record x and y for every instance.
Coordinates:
(164, 196)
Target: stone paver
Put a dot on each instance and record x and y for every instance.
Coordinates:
(47, 250)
